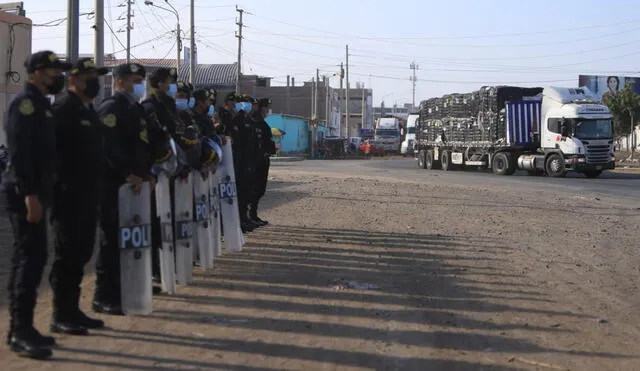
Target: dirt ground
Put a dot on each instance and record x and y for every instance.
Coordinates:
(361, 273)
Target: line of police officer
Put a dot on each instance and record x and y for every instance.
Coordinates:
(72, 158)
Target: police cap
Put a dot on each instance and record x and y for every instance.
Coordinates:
(184, 87)
(84, 65)
(231, 96)
(264, 102)
(162, 74)
(45, 59)
(204, 94)
(127, 69)
(250, 99)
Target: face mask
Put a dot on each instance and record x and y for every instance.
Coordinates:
(92, 88)
(212, 110)
(239, 107)
(182, 104)
(57, 85)
(192, 102)
(138, 91)
(248, 106)
(173, 89)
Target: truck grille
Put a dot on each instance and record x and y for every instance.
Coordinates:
(598, 154)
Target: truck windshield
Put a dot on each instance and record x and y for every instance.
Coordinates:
(593, 129)
(411, 130)
(387, 133)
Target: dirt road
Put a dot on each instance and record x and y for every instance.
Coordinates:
(357, 273)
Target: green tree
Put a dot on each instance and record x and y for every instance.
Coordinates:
(625, 107)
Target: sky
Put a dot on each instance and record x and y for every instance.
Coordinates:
(457, 45)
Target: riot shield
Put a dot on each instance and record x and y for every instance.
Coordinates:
(233, 238)
(201, 211)
(167, 252)
(214, 214)
(134, 217)
(183, 228)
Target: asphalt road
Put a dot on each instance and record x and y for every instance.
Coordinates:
(614, 185)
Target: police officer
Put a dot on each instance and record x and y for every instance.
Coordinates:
(203, 110)
(265, 147)
(75, 209)
(28, 185)
(128, 161)
(243, 148)
(223, 118)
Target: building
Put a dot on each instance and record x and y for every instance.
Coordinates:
(395, 110)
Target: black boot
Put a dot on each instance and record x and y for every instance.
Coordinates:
(28, 343)
(88, 322)
(253, 215)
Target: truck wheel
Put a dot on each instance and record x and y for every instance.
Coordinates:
(428, 162)
(502, 164)
(446, 160)
(422, 164)
(555, 166)
(592, 173)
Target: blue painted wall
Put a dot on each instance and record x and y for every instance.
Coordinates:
(296, 138)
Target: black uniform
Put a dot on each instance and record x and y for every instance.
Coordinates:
(265, 147)
(243, 148)
(204, 123)
(79, 133)
(30, 133)
(225, 118)
(128, 152)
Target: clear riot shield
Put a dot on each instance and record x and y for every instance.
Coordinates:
(214, 214)
(183, 229)
(233, 238)
(167, 252)
(202, 222)
(134, 217)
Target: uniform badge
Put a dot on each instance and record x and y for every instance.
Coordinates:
(144, 136)
(85, 123)
(26, 107)
(109, 120)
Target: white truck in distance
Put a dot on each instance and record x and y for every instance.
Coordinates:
(543, 131)
(387, 134)
(410, 136)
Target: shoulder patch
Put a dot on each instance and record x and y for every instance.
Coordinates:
(26, 107)
(144, 136)
(109, 120)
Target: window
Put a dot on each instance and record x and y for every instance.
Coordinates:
(554, 125)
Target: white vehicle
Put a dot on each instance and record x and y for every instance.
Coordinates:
(387, 134)
(543, 131)
(406, 148)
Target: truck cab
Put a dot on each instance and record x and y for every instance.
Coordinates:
(406, 148)
(387, 134)
(579, 128)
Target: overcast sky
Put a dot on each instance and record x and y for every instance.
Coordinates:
(458, 45)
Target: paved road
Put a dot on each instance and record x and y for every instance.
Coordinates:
(621, 186)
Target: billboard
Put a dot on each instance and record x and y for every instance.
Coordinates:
(608, 84)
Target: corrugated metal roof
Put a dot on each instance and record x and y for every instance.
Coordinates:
(207, 75)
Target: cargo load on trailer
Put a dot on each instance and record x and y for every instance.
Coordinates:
(541, 130)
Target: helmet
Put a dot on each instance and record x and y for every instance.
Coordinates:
(170, 162)
(191, 146)
(211, 152)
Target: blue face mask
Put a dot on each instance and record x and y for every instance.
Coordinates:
(138, 91)
(182, 104)
(248, 106)
(192, 102)
(173, 89)
(212, 110)
(239, 107)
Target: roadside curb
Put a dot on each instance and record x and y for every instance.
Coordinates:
(629, 170)
(287, 159)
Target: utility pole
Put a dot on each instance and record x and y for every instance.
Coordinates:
(414, 67)
(341, 97)
(239, 36)
(347, 96)
(178, 46)
(98, 45)
(129, 30)
(192, 47)
(326, 104)
(363, 108)
(314, 115)
(73, 30)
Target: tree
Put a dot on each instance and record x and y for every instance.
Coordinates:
(625, 107)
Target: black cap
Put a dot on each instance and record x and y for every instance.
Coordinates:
(83, 65)
(161, 74)
(45, 59)
(264, 102)
(184, 87)
(231, 96)
(203, 94)
(128, 69)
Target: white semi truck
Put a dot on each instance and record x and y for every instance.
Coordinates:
(387, 134)
(545, 131)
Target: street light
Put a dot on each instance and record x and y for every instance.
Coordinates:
(178, 40)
